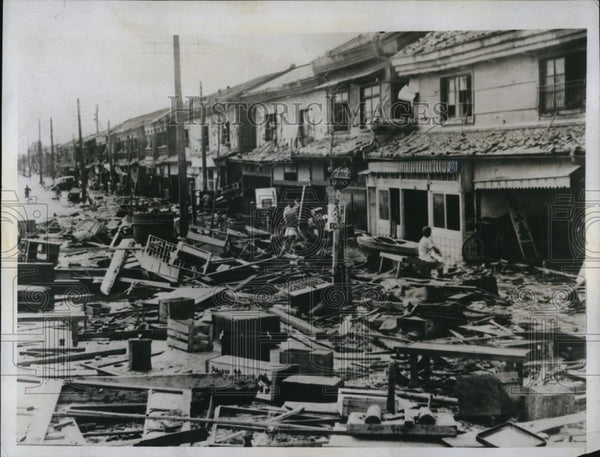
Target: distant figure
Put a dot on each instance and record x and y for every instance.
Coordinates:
(27, 191)
(429, 253)
(206, 202)
(290, 221)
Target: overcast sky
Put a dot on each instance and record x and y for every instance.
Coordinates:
(120, 57)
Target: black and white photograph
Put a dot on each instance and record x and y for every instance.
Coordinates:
(325, 225)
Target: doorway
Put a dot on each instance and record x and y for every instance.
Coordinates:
(416, 214)
(372, 198)
(394, 212)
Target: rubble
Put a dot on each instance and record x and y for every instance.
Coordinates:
(229, 345)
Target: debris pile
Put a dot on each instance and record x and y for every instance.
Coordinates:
(223, 337)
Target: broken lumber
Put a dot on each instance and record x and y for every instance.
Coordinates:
(297, 323)
(73, 357)
(116, 263)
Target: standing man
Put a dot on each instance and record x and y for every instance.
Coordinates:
(429, 253)
(290, 221)
(27, 191)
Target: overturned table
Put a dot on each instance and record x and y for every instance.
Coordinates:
(513, 356)
(72, 318)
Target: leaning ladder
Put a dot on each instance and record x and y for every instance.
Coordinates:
(521, 227)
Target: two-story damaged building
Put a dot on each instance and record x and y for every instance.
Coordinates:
(322, 115)
(500, 138)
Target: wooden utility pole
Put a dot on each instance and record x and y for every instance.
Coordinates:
(28, 159)
(204, 141)
(96, 119)
(53, 169)
(180, 142)
(40, 150)
(81, 158)
(110, 160)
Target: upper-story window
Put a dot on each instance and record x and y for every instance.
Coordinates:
(370, 104)
(271, 127)
(226, 133)
(304, 130)
(457, 98)
(563, 82)
(341, 112)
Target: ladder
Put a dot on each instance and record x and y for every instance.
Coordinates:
(521, 227)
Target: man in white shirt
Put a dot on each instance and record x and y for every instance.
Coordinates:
(428, 252)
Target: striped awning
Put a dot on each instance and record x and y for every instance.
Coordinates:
(523, 175)
(415, 167)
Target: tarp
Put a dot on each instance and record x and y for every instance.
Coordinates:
(523, 174)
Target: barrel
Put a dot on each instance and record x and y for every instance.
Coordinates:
(140, 354)
(157, 224)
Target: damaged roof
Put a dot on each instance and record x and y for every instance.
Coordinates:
(345, 145)
(268, 152)
(560, 139)
(436, 41)
(293, 76)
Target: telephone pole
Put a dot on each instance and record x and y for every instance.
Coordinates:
(96, 119)
(179, 137)
(40, 150)
(53, 163)
(110, 160)
(81, 157)
(204, 141)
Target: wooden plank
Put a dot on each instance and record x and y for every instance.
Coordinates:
(168, 403)
(117, 261)
(541, 425)
(297, 323)
(39, 403)
(466, 351)
(73, 357)
(401, 430)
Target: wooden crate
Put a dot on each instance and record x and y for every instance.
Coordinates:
(189, 336)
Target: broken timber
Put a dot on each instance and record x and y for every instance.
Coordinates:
(118, 260)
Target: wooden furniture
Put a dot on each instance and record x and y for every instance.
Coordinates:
(513, 356)
(72, 318)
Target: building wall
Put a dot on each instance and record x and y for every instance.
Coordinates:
(505, 91)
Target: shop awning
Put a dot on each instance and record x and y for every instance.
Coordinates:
(517, 175)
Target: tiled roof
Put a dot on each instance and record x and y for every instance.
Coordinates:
(232, 93)
(435, 41)
(268, 152)
(343, 145)
(516, 141)
(294, 75)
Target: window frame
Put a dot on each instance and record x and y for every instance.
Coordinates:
(290, 175)
(368, 100)
(341, 107)
(459, 116)
(380, 206)
(271, 127)
(445, 196)
(564, 95)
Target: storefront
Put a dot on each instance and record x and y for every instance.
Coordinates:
(404, 196)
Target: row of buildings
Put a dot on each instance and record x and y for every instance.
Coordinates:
(440, 129)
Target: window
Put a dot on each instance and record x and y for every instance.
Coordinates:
(271, 127)
(401, 109)
(370, 104)
(563, 82)
(211, 179)
(384, 205)
(226, 134)
(303, 128)
(187, 138)
(446, 211)
(341, 112)
(290, 172)
(457, 97)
